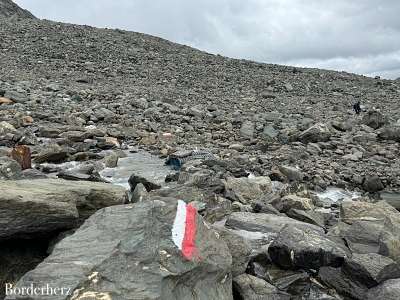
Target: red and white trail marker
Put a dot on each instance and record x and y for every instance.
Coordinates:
(184, 230)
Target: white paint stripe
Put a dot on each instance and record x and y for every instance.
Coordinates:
(178, 229)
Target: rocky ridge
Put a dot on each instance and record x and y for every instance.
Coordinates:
(9, 9)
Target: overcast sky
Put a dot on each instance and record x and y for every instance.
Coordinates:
(360, 36)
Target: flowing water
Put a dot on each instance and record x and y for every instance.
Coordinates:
(336, 194)
(140, 163)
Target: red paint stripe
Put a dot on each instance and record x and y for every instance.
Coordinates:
(189, 249)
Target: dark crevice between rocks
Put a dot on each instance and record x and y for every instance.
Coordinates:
(17, 257)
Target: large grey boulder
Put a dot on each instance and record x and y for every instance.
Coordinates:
(345, 286)
(362, 236)
(53, 153)
(370, 228)
(149, 183)
(390, 132)
(371, 269)
(373, 184)
(9, 168)
(318, 133)
(239, 248)
(314, 217)
(131, 252)
(291, 173)
(305, 248)
(391, 198)
(30, 208)
(389, 290)
(351, 211)
(247, 190)
(375, 119)
(292, 202)
(252, 288)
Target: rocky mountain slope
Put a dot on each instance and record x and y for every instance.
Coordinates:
(62, 71)
(267, 139)
(9, 9)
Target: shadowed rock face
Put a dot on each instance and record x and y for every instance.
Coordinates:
(9, 9)
(128, 252)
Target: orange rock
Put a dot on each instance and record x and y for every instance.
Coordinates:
(27, 120)
(22, 154)
(4, 100)
(112, 141)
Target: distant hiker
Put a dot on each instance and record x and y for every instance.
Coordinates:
(357, 107)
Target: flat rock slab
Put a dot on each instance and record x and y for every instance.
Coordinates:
(134, 252)
(264, 223)
(32, 208)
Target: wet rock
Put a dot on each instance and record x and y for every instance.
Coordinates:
(75, 175)
(374, 119)
(389, 290)
(246, 190)
(52, 204)
(371, 269)
(252, 288)
(131, 248)
(305, 248)
(317, 133)
(148, 183)
(292, 202)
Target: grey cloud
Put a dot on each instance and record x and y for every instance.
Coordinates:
(361, 36)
